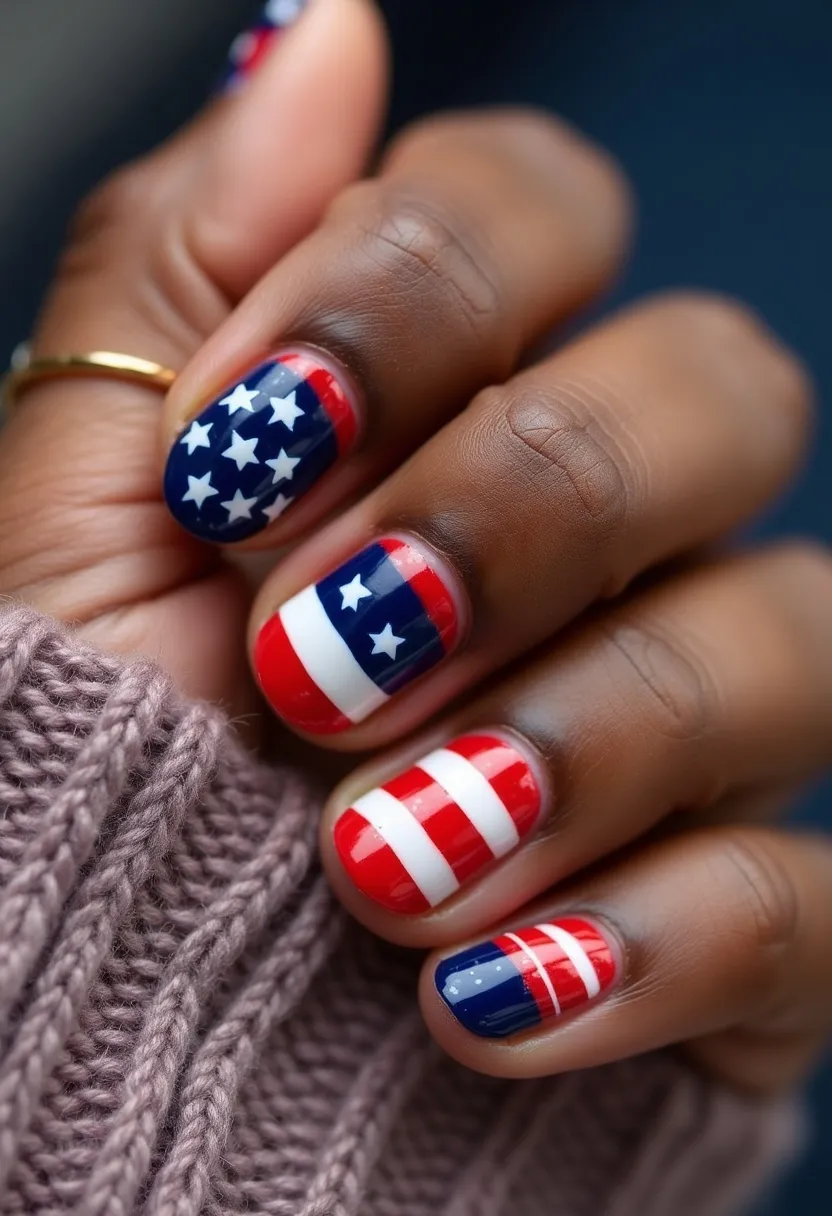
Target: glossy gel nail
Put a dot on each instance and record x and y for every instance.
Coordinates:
(413, 842)
(260, 446)
(250, 49)
(341, 648)
(519, 980)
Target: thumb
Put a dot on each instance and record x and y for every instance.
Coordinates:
(305, 124)
(157, 257)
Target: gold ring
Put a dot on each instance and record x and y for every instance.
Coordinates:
(100, 364)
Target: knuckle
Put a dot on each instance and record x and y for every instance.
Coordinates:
(96, 233)
(432, 254)
(768, 899)
(118, 197)
(680, 693)
(566, 450)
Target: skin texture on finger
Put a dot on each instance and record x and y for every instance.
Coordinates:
(425, 284)
(715, 684)
(718, 930)
(652, 434)
(84, 533)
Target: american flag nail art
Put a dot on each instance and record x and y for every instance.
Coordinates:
(341, 648)
(520, 979)
(259, 447)
(251, 47)
(412, 843)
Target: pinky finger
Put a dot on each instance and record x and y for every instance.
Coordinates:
(720, 936)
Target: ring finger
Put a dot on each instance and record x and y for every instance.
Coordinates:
(654, 433)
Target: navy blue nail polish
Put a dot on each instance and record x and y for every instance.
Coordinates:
(251, 47)
(338, 650)
(520, 979)
(259, 447)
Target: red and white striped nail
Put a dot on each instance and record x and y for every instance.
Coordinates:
(412, 843)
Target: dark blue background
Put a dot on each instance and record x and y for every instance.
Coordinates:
(720, 111)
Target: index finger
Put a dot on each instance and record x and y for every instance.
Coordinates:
(421, 286)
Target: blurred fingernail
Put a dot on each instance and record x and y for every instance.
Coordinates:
(344, 646)
(249, 50)
(519, 980)
(412, 843)
(261, 445)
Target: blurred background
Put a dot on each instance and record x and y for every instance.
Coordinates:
(720, 111)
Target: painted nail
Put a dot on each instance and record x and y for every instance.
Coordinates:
(518, 980)
(252, 46)
(341, 648)
(412, 843)
(260, 446)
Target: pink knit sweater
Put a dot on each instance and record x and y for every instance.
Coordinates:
(188, 1023)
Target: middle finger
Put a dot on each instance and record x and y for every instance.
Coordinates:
(652, 434)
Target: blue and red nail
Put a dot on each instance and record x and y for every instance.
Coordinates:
(249, 50)
(519, 980)
(342, 647)
(261, 445)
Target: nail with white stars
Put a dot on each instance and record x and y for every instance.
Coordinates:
(342, 647)
(262, 444)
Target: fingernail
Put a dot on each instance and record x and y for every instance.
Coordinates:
(412, 843)
(519, 980)
(249, 50)
(260, 446)
(344, 646)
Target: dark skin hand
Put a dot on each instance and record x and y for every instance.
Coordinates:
(657, 712)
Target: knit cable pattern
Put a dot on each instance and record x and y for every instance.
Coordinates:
(189, 1025)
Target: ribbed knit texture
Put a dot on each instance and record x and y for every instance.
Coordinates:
(188, 1023)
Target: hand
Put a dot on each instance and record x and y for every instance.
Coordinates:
(602, 737)
(156, 260)
(546, 497)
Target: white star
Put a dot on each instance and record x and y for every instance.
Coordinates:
(286, 410)
(241, 451)
(240, 399)
(386, 642)
(353, 592)
(238, 507)
(284, 466)
(277, 508)
(197, 436)
(199, 488)
(454, 991)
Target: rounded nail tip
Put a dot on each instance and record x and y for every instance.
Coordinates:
(209, 535)
(496, 1023)
(297, 719)
(355, 847)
